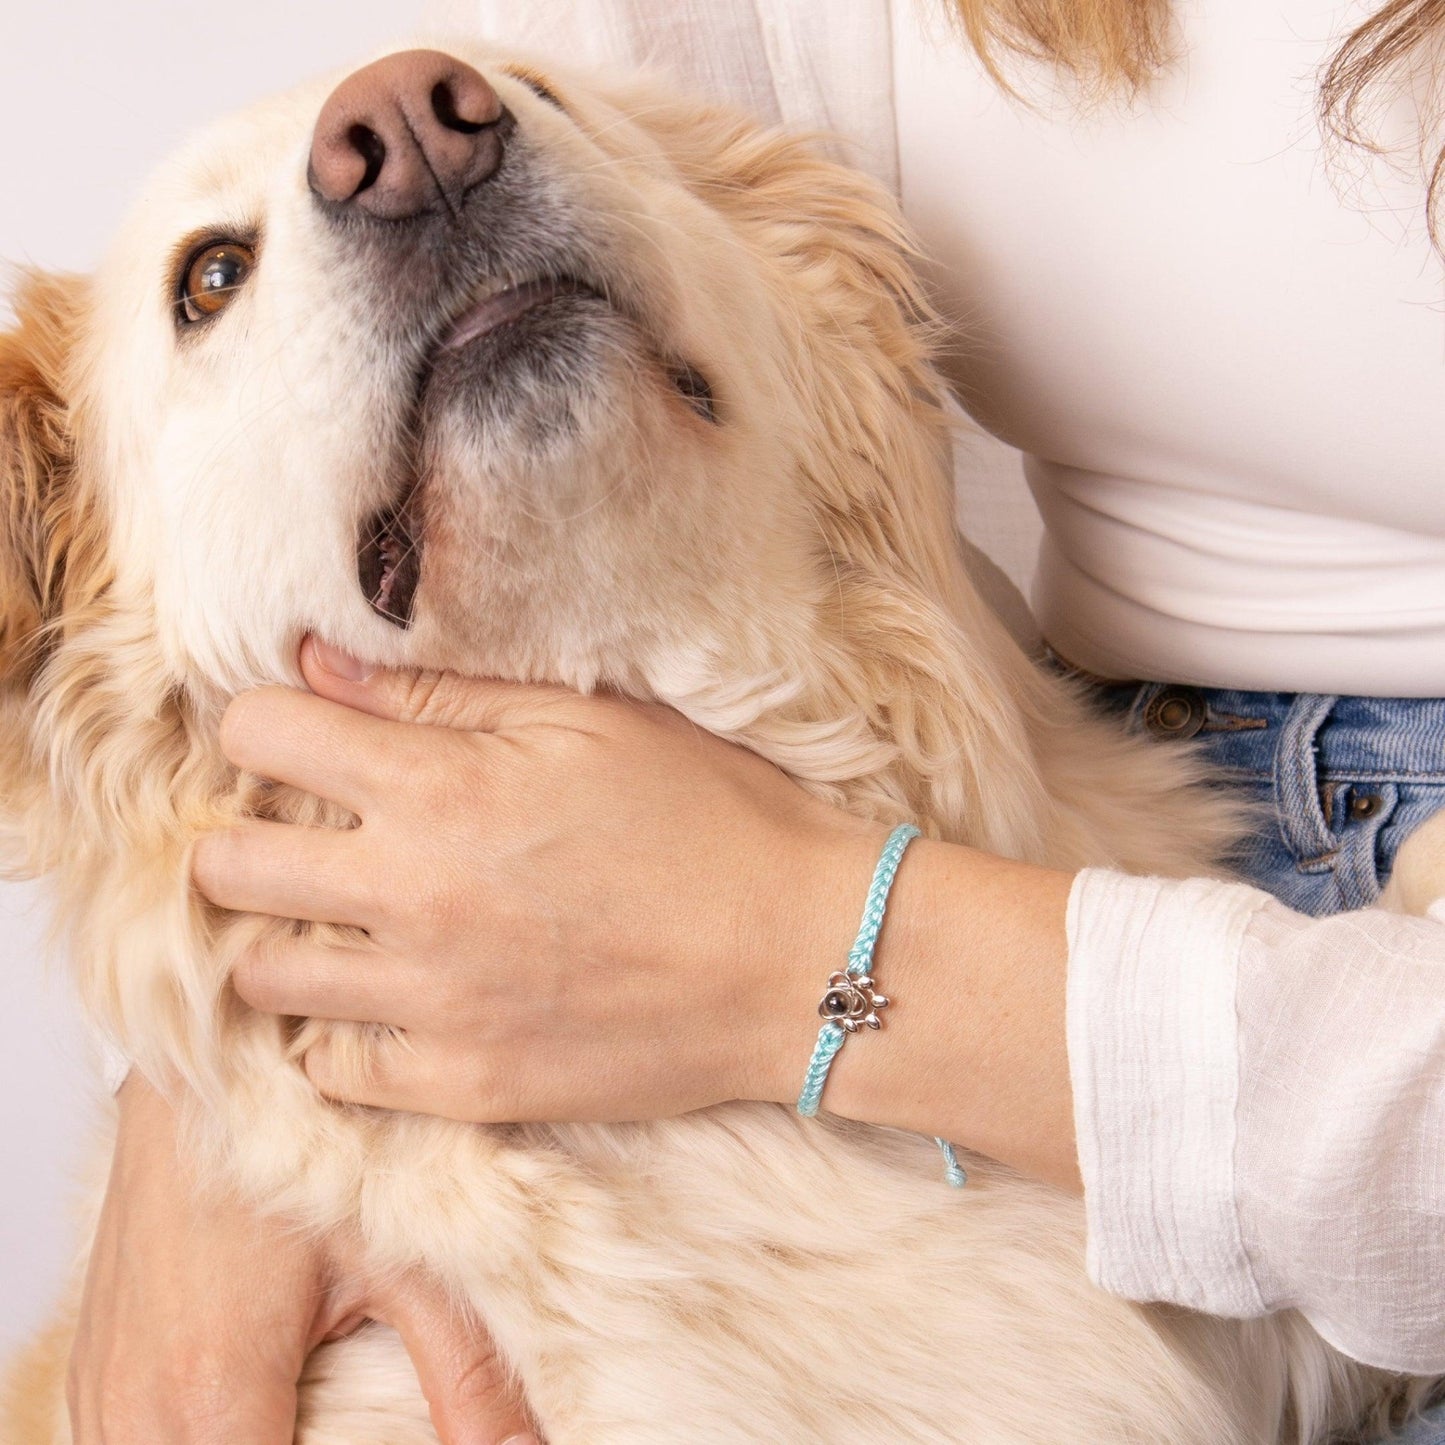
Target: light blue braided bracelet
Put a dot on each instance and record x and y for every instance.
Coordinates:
(851, 1001)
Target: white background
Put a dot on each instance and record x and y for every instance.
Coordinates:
(91, 96)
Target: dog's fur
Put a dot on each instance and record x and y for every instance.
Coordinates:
(177, 510)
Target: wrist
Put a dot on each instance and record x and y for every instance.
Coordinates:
(972, 956)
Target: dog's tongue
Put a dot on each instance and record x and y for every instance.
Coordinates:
(505, 306)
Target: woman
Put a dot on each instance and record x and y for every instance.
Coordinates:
(1224, 373)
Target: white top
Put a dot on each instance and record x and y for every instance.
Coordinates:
(1230, 380)
(1227, 372)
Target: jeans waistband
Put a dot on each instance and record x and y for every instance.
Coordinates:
(1362, 739)
(1340, 782)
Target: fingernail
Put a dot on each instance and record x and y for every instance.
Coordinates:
(344, 665)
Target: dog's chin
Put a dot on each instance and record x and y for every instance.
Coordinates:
(514, 374)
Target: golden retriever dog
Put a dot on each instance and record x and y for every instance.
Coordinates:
(462, 362)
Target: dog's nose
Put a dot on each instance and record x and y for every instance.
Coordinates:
(406, 134)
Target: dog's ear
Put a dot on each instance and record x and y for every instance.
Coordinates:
(37, 466)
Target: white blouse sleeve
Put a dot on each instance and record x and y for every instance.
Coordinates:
(1260, 1106)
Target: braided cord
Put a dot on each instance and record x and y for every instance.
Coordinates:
(860, 956)
(830, 1039)
(953, 1171)
(832, 1036)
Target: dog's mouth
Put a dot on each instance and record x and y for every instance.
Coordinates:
(505, 306)
(388, 563)
(389, 550)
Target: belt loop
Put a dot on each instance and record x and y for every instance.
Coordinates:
(1302, 823)
(1357, 868)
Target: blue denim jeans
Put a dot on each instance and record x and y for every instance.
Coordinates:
(1426, 1429)
(1340, 783)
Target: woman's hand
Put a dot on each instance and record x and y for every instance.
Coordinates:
(577, 908)
(198, 1315)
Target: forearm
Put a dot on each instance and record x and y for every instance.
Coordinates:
(174, 1303)
(973, 957)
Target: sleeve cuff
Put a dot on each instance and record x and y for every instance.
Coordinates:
(1154, 1061)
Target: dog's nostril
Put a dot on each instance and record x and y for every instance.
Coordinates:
(444, 107)
(372, 149)
(408, 134)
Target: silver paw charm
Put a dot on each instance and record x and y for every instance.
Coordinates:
(851, 1001)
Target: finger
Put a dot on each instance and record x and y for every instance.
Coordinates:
(403, 1073)
(293, 737)
(473, 1396)
(304, 978)
(442, 699)
(318, 875)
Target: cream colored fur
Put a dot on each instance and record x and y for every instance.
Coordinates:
(173, 517)
(1418, 877)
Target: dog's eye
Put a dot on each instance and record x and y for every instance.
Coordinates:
(212, 278)
(694, 387)
(537, 86)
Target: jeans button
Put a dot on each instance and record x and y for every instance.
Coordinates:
(1176, 712)
(1365, 805)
